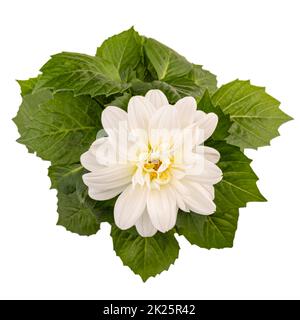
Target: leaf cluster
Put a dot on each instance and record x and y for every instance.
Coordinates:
(60, 116)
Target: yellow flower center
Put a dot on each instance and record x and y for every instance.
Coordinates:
(153, 168)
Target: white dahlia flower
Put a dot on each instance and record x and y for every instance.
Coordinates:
(153, 157)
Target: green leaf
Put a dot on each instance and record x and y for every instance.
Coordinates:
(213, 231)
(238, 185)
(174, 92)
(77, 213)
(28, 109)
(139, 87)
(27, 86)
(121, 101)
(176, 76)
(182, 87)
(224, 122)
(65, 178)
(63, 128)
(256, 114)
(193, 84)
(145, 256)
(105, 210)
(167, 63)
(142, 72)
(81, 73)
(203, 79)
(123, 50)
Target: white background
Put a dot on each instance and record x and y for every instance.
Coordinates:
(257, 40)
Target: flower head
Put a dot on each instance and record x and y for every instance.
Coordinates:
(153, 158)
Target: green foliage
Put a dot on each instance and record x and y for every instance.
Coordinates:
(224, 122)
(215, 231)
(62, 128)
(66, 178)
(121, 101)
(173, 74)
(59, 118)
(256, 115)
(29, 107)
(27, 86)
(167, 63)
(76, 212)
(83, 74)
(123, 51)
(145, 256)
(235, 190)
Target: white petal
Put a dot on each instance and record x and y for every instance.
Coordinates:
(105, 194)
(210, 189)
(89, 162)
(163, 127)
(129, 206)
(200, 115)
(178, 171)
(111, 117)
(165, 118)
(178, 194)
(210, 154)
(165, 164)
(138, 177)
(198, 199)
(112, 149)
(107, 182)
(140, 110)
(89, 158)
(107, 173)
(206, 124)
(105, 152)
(157, 98)
(204, 172)
(98, 143)
(186, 109)
(109, 177)
(162, 209)
(144, 225)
